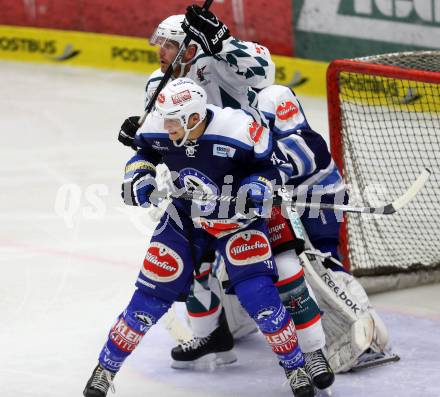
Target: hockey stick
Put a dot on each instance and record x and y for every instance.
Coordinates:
(170, 70)
(387, 209)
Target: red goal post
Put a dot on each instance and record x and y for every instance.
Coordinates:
(384, 120)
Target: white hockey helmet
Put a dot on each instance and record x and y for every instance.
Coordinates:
(169, 29)
(180, 99)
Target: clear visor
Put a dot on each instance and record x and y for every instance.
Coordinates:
(160, 38)
(172, 123)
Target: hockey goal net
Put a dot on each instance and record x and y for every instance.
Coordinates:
(384, 114)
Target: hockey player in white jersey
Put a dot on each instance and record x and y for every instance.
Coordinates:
(189, 228)
(354, 339)
(228, 70)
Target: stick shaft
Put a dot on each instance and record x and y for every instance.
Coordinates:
(387, 209)
(170, 70)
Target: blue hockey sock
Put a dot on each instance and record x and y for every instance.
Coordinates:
(261, 300)
(141, 314)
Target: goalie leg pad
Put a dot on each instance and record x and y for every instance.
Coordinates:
(261, 300)
(347, 320)
(380, 336)
(141, 314)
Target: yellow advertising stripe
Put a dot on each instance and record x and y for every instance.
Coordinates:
(404, 95)
(129, 54)
(304, 76)
(77, 49)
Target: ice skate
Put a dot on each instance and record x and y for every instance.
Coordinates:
(319, 369)
(99, 383)
(215, 348)
(300, 382)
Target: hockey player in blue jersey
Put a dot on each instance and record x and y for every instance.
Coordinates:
(188, 229)
(227, 71)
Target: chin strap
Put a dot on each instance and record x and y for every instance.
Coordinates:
(187, 132)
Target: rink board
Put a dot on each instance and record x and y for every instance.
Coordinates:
(129, 54)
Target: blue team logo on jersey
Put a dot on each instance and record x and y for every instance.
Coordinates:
(195, 182)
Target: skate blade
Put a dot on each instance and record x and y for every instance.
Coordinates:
(225, 358)
(207, 362)
(389, 359)
(324, 392)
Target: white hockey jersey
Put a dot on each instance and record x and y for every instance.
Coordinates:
(230, 76)
(300, 152)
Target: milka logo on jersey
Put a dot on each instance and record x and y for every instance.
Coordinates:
(161, 263)
(248, 247)
(181, 97)
(223, 151)
(286, 110)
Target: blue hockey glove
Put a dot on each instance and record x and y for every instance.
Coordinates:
(259, 191)
(139, 182)
(138, 190)
(205, 28)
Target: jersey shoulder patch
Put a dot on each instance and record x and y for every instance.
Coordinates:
(255, 131)
(281, 105)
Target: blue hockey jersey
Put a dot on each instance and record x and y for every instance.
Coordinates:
(232, 147)
(300, 152)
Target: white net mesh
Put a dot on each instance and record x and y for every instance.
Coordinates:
(390, 131)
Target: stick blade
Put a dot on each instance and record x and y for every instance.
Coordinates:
(413, 190)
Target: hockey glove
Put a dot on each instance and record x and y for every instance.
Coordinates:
(128, 131)
(205, 28)
(138, 190)
(259, 192)
(139, 182)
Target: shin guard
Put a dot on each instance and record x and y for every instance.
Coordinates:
(261, 300)
(141, 314)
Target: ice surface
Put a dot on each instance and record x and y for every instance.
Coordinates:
(70, 252)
